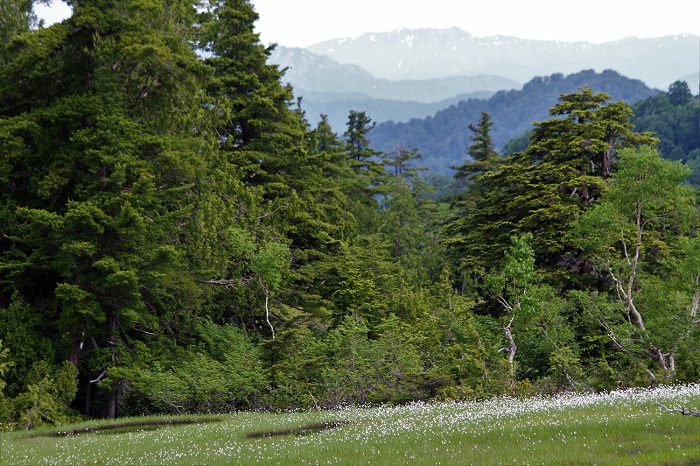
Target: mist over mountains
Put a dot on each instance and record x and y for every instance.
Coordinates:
(437, 53)
(407, 74)
(309, 71)
(329, 87)
(425, 86)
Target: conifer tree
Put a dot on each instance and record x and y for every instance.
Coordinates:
(482, 152)
(271, 151)
(364, 161)
(540, 190)
(97, 116)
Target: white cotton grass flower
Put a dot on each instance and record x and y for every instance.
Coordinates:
(571, 428)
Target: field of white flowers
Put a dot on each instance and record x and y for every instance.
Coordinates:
(622, 427)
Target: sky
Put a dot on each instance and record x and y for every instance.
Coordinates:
(301, 23)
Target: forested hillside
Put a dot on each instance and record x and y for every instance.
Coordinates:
(675, 118)
(175, 237)
(443, 138)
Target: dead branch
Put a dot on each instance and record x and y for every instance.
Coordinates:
(684, 411)
(286, 204)
(229, 282)
(101, 376)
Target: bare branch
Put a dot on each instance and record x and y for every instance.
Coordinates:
(273, 211)
(684, 411)
(229, 282)
(101, 376)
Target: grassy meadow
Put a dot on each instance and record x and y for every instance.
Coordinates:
(622, 427)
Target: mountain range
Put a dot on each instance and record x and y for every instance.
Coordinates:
(332, 88)
(406, 74)
(436, 53)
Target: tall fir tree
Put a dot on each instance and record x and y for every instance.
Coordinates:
(96, 180)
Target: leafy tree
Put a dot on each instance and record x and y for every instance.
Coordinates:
(221, 371)
(5, 364)
(49, 391)
(628, 236)
(269, 265)
(16, 17)
(513, 289)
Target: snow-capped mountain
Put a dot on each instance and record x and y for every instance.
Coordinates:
(436, 53)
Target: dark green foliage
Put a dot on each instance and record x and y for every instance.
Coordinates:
(542, 189)
(632, 233)
(220, 373)
(674, 117)
(16, 17)
(90, 243)
(174, 237)
(49, 391)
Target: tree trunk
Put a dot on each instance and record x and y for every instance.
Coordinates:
(512, 348)
(88, 399)
(667, 361)
(111, 404)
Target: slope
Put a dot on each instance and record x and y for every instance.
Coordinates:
(443, 138)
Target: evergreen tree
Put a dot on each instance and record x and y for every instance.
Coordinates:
(363, 189)
(268, 146)
(482, 152)
(484, 159)
(96, 179)
(408, 218)
(357, 143)
(674, 117)
(679, 93)
(542, 189)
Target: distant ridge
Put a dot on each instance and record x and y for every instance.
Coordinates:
(337, 107)
(308, 71)
(435, 53)
(443, 139)
(334, 89)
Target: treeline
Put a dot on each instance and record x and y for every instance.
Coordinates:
(175, 237)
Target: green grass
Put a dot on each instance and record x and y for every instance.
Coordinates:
(616, 428)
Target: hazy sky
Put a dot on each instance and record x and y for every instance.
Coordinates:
(300, 23)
